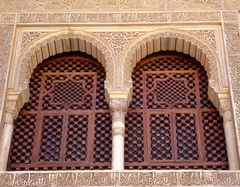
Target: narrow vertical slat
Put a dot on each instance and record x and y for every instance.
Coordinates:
(164, 44)
(172, 44)
(52, 49)
(59, 46)
(39, 56)
(94, 51)
(192, 51)
(82, 45)
(89, 48)
(186, 46)
(157, 45)
(150, 47)
(45, 52)
(74, 44)
(66, 45)
(179, 45)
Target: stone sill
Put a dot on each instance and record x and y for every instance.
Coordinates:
(120, 178)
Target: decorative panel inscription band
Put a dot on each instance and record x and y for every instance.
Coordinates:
(76, 179)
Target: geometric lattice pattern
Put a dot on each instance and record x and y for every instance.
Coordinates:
(170, 90)
(161, 141)
(51, 138)
(187, 145)
(77, 138)
(66, 124)
(134, 151)
(171, 123)
(214, 137)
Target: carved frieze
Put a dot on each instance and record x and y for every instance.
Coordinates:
(115, 5)
(154, 178)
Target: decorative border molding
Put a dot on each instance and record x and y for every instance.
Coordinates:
(231, 29)
(126, 178)
(115, 5)
(6, 37)
(121, 17)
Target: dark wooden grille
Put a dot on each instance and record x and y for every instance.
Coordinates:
(171, 123)
(66, 124)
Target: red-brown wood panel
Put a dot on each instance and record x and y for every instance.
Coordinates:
(171, 123)
(66, 124)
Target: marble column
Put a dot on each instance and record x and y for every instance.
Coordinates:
(118, 107)
(231, 141)
(6, 135)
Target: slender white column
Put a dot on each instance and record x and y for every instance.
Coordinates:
(6, 141)
(231, 141)
(118, 107)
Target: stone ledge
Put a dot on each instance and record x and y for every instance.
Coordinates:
(123, 178)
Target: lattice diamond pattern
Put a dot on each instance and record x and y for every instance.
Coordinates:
(214, 137)
(161, 143)
(134, 141)
(77, 138)
(175, 85)
(103, 138)
(66, 94)
(187, 145)
(21, 150)
(170, 90)
(51, 138)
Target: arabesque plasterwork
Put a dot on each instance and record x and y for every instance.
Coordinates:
(127, 178)
(194, 39)
(29, 52)
(116, 5)
(118, 48)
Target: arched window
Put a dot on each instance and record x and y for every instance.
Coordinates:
(66, 124)
(171, 123)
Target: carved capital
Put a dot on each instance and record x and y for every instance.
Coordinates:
(118, 108)
(225, 105)
(10, 111)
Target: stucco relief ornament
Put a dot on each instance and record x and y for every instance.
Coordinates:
(206, 49)
(53, 2)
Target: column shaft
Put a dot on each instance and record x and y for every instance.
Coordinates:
(231, 141)
(5, 145)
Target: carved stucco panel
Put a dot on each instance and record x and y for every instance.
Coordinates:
(208, 35)
(194, 39)
(232, 40)
(30, 37)
(148, 17)
(23, 74)
(6, 36)
(132, 178)
(115, 5)
(118, 42)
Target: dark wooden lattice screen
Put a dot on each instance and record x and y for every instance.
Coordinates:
(171, 123)
(66, 124)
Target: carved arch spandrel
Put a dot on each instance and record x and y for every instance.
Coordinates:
(59, 42)
(175, 40)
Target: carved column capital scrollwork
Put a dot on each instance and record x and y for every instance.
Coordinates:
(118, 108)
(11, 111)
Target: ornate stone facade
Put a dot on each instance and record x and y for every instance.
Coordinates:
(118, 28)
